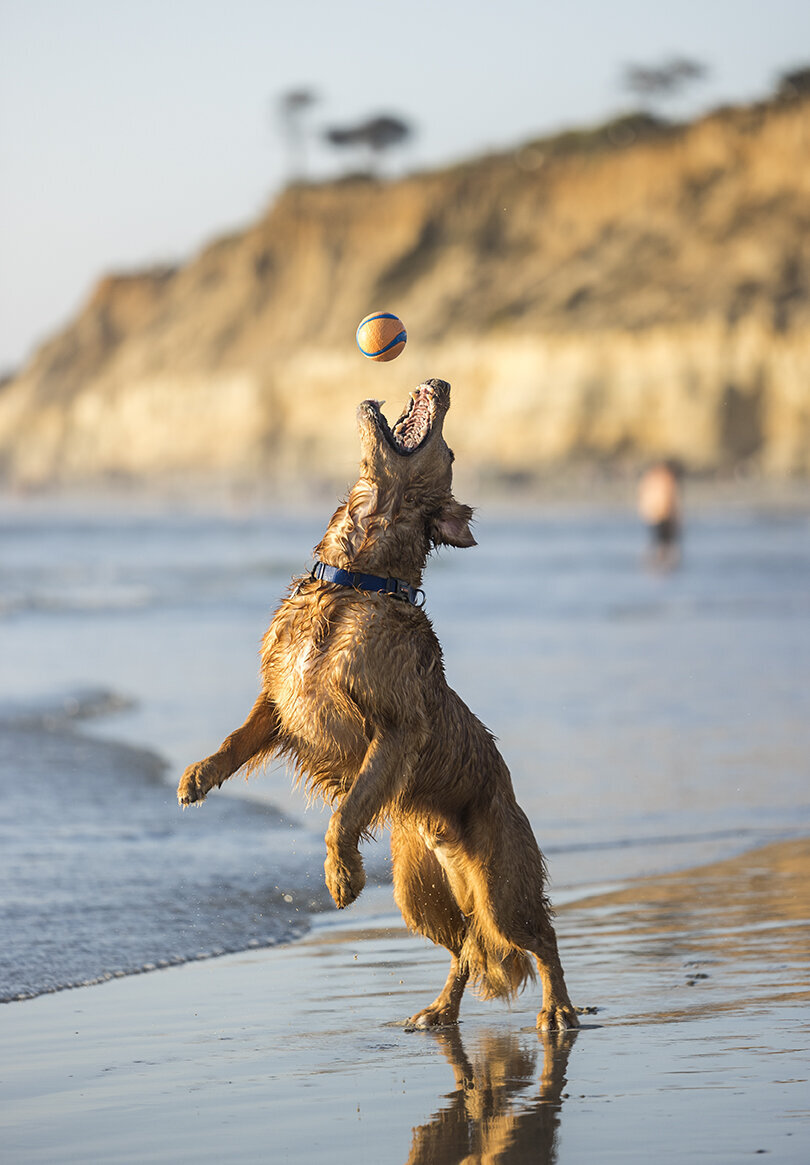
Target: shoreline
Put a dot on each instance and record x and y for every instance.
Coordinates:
(376, 910)
(699, 1044)
(571, 486)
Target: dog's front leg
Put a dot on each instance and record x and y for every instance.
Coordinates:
(257, 736)
(384, 767)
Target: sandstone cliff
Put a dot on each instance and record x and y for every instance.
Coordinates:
(635, 290)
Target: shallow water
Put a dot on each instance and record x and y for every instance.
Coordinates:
(651, 722)
(697, 1049)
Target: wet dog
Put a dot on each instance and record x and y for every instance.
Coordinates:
(354, 693)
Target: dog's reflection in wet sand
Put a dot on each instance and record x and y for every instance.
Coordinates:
(490, 1117)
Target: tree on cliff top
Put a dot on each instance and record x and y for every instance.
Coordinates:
(659, 82)
(374, 136)
(795, 83)
(292, 106)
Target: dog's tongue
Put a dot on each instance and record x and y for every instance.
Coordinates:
(413, 426)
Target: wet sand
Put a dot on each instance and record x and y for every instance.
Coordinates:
(699, 1049)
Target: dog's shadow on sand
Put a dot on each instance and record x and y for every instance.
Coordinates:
(494, 1113)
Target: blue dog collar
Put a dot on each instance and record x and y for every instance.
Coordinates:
(396, 587)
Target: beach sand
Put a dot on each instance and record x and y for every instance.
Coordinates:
(698, 1049)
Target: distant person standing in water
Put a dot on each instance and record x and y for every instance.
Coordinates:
(659, 505)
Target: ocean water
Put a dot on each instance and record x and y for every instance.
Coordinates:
(651, 722)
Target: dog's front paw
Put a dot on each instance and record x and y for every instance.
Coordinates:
(345, 877)
(557, 1018)
(196, 781)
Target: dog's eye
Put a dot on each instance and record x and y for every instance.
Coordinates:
(452, 456)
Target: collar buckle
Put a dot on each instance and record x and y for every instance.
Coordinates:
(397, 588)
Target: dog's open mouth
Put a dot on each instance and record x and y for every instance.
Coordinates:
(413, 427)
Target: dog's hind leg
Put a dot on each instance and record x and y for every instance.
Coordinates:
(517, 905)
(534, 932)
(423, 894)
(444, 1008)
(256, 738)
(558, 1013)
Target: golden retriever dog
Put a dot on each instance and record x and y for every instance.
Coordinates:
(354, 692)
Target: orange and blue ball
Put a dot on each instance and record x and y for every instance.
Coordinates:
(381, 336)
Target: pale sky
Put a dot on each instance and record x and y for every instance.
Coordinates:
(133, 131)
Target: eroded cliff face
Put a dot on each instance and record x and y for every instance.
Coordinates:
(612, 296)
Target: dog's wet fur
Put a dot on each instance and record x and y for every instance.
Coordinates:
(354, 692)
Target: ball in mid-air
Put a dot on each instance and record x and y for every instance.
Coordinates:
(381, 336)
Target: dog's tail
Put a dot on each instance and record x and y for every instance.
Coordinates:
(497, 971)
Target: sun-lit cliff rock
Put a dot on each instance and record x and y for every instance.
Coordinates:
(606, 295)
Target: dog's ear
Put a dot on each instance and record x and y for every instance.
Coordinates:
(451, 526)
